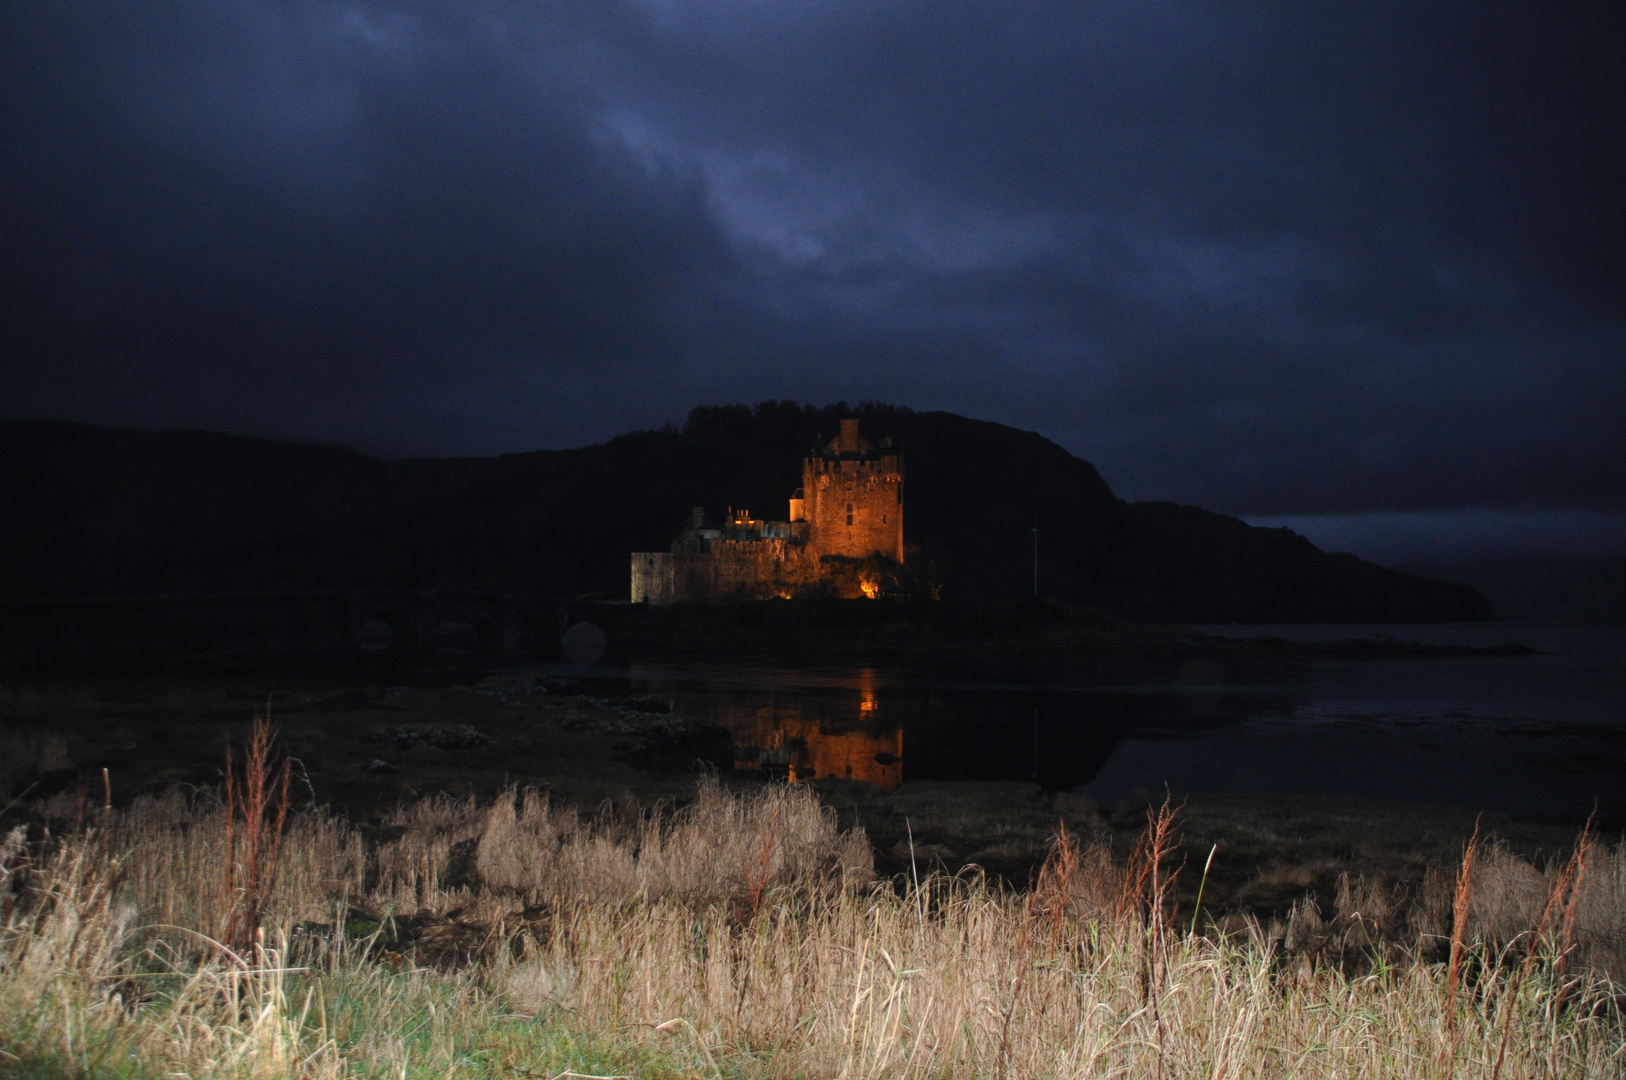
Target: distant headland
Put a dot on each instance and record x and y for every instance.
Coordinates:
(104, 512)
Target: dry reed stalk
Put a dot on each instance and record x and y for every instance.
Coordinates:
(1459, 922)
(759, 875)
(260, 799)
(1053, 890)
(1568, 887)
(1144, 898)
(1024, 961)
(1145, 889)
(1048, 901)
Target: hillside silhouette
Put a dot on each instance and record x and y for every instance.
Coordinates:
(93, 511)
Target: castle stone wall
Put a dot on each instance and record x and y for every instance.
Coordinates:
(728, 568)
(652, 577)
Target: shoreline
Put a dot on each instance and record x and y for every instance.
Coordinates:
(364, 750)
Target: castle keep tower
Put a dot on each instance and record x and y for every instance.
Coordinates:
(852, 498)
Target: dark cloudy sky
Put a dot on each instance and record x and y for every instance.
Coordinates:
(1336, 262)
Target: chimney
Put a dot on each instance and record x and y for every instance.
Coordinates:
(849, 437)
(697, 518)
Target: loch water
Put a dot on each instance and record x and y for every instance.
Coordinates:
(1540, 735)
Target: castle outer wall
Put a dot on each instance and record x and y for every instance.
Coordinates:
(729, 568)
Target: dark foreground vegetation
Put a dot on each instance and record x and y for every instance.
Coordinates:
(747, 934)
(98, 512)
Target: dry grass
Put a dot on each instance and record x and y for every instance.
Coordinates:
(169, 850)
(741, 936)
(521, 851)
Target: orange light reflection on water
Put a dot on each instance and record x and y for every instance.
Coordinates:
(785, 742)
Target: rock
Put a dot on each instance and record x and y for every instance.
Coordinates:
(510, 686)
(457, 737)
(403, 738)
(379, 765)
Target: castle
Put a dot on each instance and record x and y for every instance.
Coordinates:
(845, 530)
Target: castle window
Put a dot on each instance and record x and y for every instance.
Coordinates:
(849, 513)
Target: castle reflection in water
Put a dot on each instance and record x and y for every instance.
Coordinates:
(804, 740)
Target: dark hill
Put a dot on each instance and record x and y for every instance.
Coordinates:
(92, 511)
(1549, 588)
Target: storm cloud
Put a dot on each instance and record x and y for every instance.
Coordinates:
(1273, 258)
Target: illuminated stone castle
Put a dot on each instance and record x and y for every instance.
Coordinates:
(845, 531)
